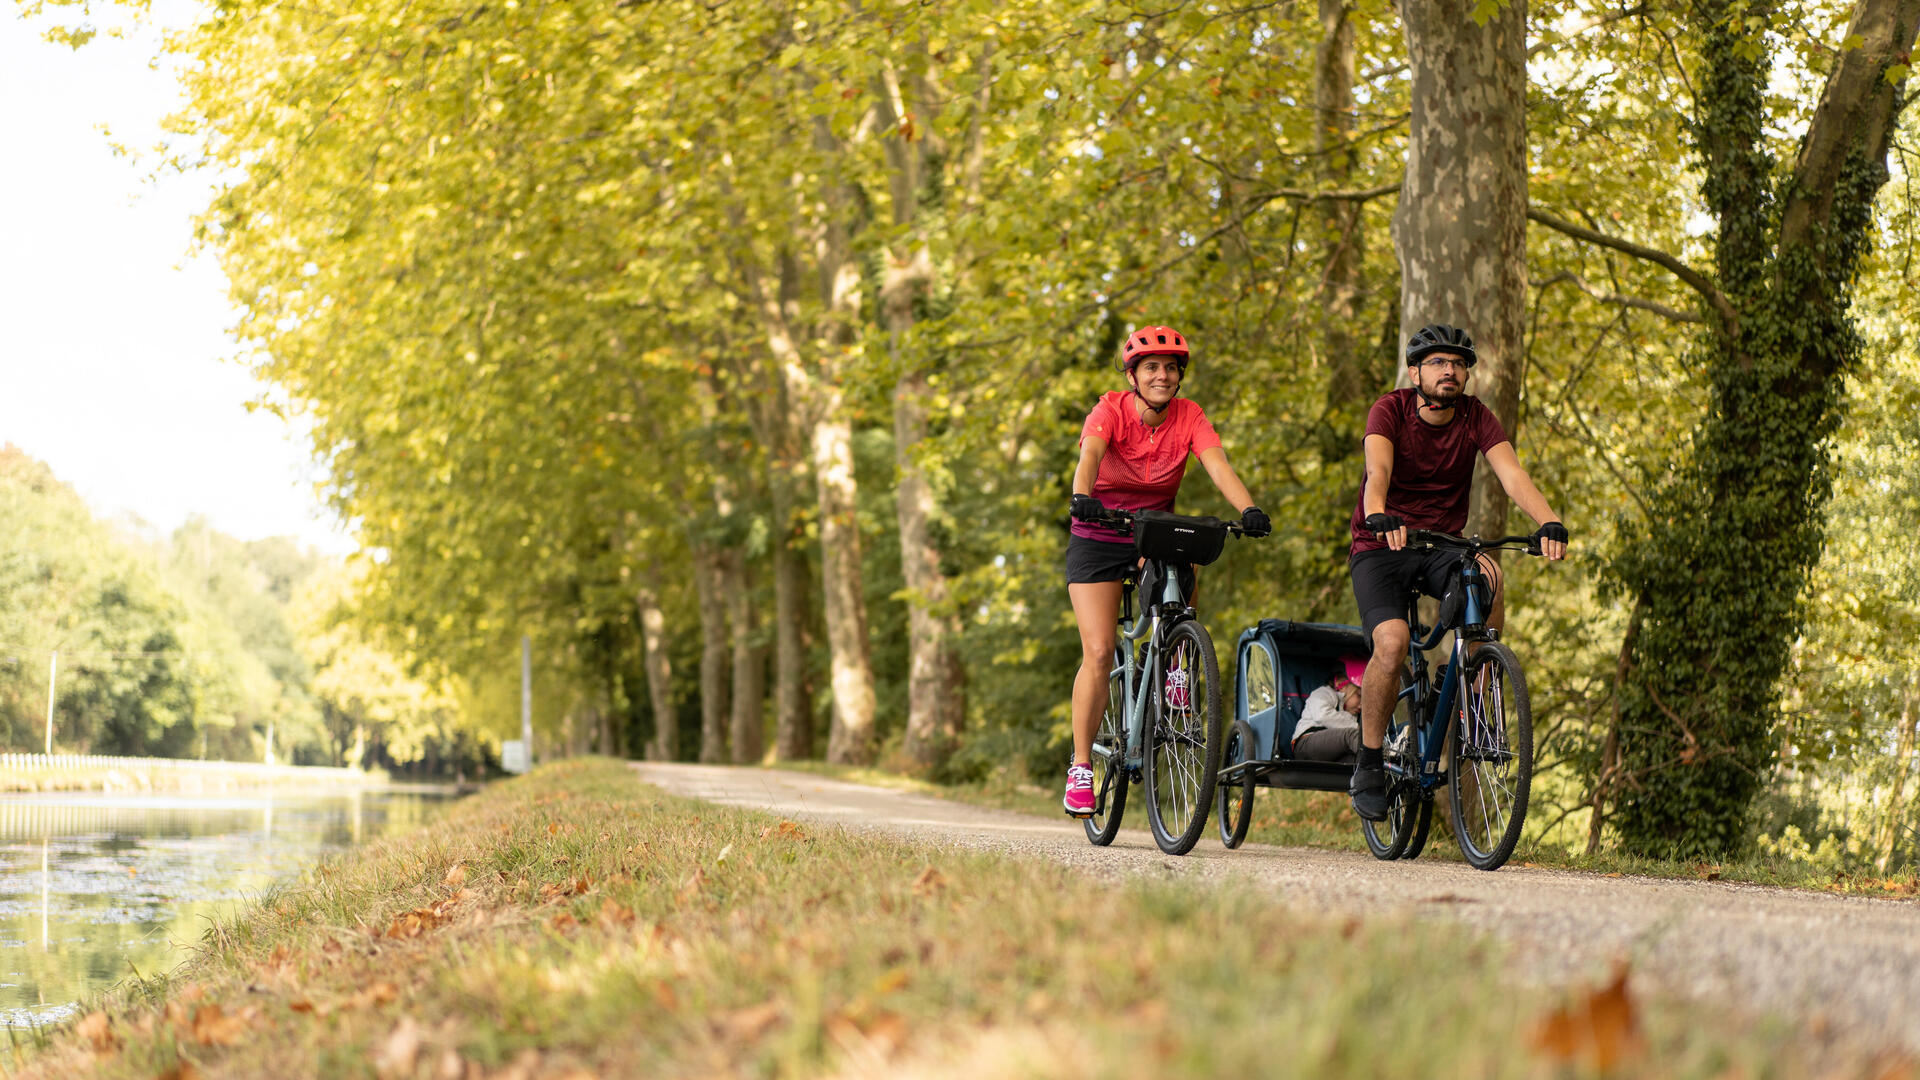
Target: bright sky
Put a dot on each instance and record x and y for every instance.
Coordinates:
(114, 359)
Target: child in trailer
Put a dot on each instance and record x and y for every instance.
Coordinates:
(1329, 727)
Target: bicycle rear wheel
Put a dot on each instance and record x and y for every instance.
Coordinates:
(1110, 763)
(1390, 839)
(1235, 801)
(1183, 744)
(1492, 757)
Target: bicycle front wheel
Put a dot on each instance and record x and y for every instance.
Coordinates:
(1110, 764)
(1183, 744)
(1492, 757)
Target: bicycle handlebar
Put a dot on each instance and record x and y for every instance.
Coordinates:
(1431, 538)
(1116, 518)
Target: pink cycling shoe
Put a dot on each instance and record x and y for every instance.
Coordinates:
(1079, 798)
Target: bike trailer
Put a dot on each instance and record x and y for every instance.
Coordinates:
(1280, 663)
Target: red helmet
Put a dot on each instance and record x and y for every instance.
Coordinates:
(1153, 341)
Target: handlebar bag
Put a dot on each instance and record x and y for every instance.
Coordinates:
(1177, 538)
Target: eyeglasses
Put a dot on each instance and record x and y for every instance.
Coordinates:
(1444, 361)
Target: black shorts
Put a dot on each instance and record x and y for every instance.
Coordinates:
(1091, 560)
(1383, 581)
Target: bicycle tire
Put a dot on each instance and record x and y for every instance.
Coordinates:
(1422, 824)
(1182, 759)
(1234, 802)
(1110, 771)
(1389, 840)
(1492, 733)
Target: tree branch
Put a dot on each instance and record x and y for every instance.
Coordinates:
(1681, 270)
(1620, 298)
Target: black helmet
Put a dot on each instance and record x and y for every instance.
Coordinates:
(1439, 337)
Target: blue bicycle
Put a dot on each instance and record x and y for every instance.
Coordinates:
(1161, 727)
(1470, 729)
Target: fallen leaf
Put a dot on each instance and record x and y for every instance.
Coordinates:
(786, 830)
(181, 1070)
(724, 852)
(1600, 1031)
(563, 922)
(693, 885)
(302, 1005)
(614, 913)
(745, 1025)
(457, 876)
(930, 882)
(399, 1050)
(213, 1027)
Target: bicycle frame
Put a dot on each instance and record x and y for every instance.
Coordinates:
(1431, 720)
(1130, 664)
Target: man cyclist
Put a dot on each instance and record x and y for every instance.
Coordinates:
(1420, 447)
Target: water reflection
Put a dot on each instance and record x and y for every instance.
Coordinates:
(96, 887)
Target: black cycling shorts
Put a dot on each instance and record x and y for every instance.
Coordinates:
(1383, 581)
(1091, 560)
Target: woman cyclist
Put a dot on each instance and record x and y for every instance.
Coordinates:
(1133, 455)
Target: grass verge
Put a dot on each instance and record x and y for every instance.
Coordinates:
(577, 923)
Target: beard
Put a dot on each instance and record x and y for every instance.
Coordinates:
(1444, 394)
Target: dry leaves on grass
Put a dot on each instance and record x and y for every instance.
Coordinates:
(1600, 1031)
(554, 891)
(181, 1070)
(456, 876)
(563, 922)
(615, 913)
(412, 924)
(786, 830)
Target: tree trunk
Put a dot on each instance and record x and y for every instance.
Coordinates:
(713, 655)
(1350, 375)
(850, 738)
(1461, 226)
(792, 704)
(659, 667)
(749, 661)
(936, 688)
(1723, 558)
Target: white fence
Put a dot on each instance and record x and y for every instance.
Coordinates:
(72, 763)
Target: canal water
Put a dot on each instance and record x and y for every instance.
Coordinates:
(96, 887)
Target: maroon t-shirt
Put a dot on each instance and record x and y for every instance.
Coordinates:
(1432, 466)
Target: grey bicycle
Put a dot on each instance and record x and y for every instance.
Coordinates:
(1161, 727)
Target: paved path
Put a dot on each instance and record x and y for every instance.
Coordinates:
(1844, 965)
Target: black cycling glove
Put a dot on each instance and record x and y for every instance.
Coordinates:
(1254, 522)
(1087, 508)
(1552, 530)
(1382, 524)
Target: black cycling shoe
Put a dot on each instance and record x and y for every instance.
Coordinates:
(1369, 791)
